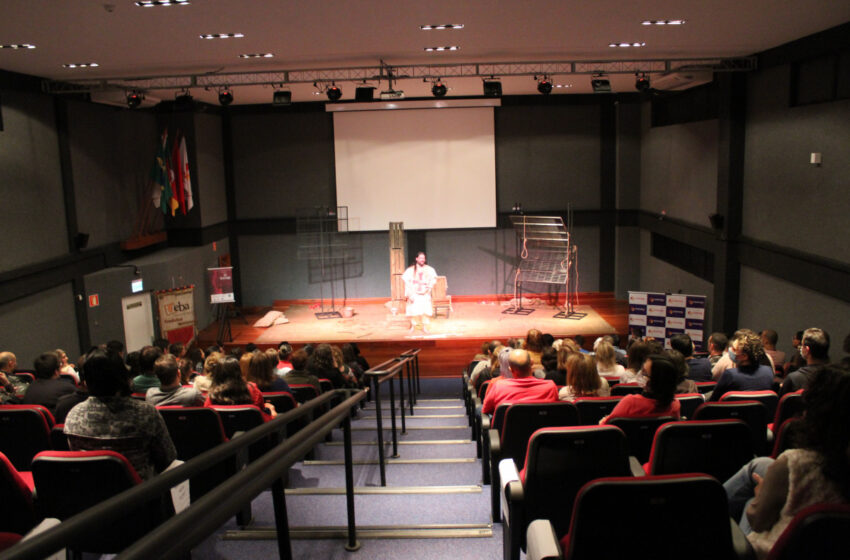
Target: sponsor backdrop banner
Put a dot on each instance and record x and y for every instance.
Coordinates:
(176, 314)
(664, 315)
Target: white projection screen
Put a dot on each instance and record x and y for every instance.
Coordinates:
(428, 168)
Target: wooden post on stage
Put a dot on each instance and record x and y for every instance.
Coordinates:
(398, 303)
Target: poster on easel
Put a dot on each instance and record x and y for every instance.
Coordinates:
(660, 316)
(221, 284)
(176, 314)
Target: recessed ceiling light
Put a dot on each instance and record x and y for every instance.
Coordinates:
(441, 26)
(663, 22)
(81, 65)
(222, 36)
(156, 3)
(18, 46)
(256, 55)
(441, 49)
(563, 85)
(626, 45)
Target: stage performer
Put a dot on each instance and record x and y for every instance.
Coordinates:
(419, 278)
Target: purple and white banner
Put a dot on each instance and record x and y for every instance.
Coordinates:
(663, 315)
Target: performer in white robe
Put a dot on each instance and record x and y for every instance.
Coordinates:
(419, 278)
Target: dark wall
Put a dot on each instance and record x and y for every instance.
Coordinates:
(38, 323)
(209, 184)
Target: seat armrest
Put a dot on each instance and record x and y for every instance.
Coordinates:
(635, 466)
(485, 422)
(495, 445)
(741, 547)
(511, 487)
(542, 542)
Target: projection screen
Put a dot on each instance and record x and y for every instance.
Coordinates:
(428, 168)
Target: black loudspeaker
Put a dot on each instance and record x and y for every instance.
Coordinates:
(492, 89)
(81, 241)
(716, 221)
(364, 93)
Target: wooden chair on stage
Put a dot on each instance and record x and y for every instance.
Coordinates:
(440, 298)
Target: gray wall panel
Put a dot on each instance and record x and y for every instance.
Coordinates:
(787, 200)
(35, 324)
(628, 261)
(33, 225)
(679, 169)
(770, 303)
(210, 182)
(547, 156)
(112, 151)
(282, 161)
(628, 155)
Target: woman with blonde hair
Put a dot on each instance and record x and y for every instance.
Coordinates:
(203, 380)
(582, 379)
(606, 360)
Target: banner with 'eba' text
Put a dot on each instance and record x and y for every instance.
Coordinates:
(176, 314)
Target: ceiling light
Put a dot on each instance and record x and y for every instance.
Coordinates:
(441, 26)
(663, 22)
(625, 45)
(256, 55)
(641, 82)
(225, 96)
(441, 49)
(333, 92)
(222, 36)
(492, 88)
(364, 93)
(134, 99)
(439, 89)
(183, 100)
(600, 84)
(155, 3)
(281, 98)
(563, 85)
(81, 65)
(544, 85)
(18, 46)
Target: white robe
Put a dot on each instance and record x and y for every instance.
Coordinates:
(418, 281)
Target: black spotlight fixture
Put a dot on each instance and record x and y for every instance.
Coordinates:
(183, 101)
(225, 97)
(134, 99)
(600, 84)
(439, 89)
(333, 92)
(282, 98)
(642, 82)
(492, 88)
(544, 85)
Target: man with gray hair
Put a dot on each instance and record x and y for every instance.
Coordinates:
(814, 348)
(522, 387)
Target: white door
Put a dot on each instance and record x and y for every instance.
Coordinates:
(138, 321)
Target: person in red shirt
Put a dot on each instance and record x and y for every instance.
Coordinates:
(522, 387)
(657, 399)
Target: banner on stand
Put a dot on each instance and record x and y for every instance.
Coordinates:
(176, 314)
(662, 316)
(221, 284)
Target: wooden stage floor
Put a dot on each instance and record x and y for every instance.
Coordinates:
(452, 340)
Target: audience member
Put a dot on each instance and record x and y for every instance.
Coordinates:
(534, 346)
(748, 374)
(177, 349)
(65, 366)
(717, 344)
(606, 360)
(115, 347)
(350, 359)
(814, 349)
(10, 385)
(359, 357)
(261, 371)
(47, 387)
(727, 362)
(549, 363)
(321, 364)
(766, 494)
(162, 344)
(203, 380)
(196, 357)
(245, 363)
(111, 419)
(229, 387)
(284, 350)
(579, 339)
(639, 351)
(146, 379)
(769, 338)
(298, 374)
(170, 391)
(522, 387)
(795, 361)
(583, 380)
(683, 383)
(484, 365)
(657, 398)
(699, 369)
(65, 403)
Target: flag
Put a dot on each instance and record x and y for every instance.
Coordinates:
(159, 175)
(175, 172)
(186, 179)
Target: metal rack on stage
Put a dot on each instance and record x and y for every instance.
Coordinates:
(547, 257)
(323, 241)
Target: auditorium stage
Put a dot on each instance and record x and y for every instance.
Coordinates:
(452, 339)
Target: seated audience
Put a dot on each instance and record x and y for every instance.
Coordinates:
(195, 357)
(359, 357)
(638, 352)
(683, 383)
(522, 387)
(766, 494)
(284, 350)
(111, 419)
(549, 362)
(298, 374)
(814, 349)
(490, 370)
(534, 347)
(583, 379)
(747, 374)
(699, 369)
(769, 338)
(228, 387)
(606, 360)
(485, 363)
(65, 366)
(261, 371)
(146, 379)
(10, 385)
(717, 344)
(657, 398)
(322, 365)
(171, 392)
(47, 387)
(203, 380)
(350, 359)
(65, 403)
(795, 361)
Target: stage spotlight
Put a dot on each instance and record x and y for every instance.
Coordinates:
(183, 101)
(439, 89)
(225, 97)
(642, 82)
(544, 85)
(364, 93)
(134, 99)
(282, 98)
(334, 93)
(492, 88)
(600, 84)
